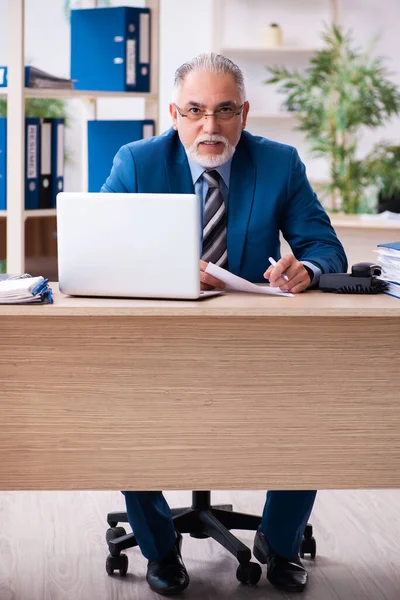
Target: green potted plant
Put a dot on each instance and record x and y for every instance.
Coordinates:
(40, 107)
(340, 93)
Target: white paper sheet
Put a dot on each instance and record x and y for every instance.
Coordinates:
(19, 291)
(238, 284)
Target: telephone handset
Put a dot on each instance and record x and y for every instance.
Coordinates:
(361, 280)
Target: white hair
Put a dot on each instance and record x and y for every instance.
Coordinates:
(213, 63)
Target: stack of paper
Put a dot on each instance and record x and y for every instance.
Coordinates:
(238, 284)
(24, 289)
(389, 261)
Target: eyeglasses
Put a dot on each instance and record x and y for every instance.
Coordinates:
(226, 113)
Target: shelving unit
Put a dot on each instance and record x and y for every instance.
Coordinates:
(70, 94)
(15, 214)
(246, 20)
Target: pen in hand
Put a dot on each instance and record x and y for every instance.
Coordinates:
(273, 263)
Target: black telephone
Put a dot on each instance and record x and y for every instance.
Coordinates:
(361, 280)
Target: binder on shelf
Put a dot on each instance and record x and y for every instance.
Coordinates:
(110, 49)
(35, 78)
(57, 158)
(44, 162)
(45, 192)
(105, 138)
(32, 162)
(3, 163)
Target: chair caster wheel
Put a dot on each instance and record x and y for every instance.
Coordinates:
(249, 573)
(117, 563)
(112, 523)
(308, 546)
(114, 532)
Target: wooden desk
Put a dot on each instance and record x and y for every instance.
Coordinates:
(234, 392)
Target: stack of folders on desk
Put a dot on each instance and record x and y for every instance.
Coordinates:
(44, 162)
(389, 261)
(24, 289)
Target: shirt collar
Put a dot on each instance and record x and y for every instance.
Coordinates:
(197, 171)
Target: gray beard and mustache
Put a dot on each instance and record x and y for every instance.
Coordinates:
(210, 161)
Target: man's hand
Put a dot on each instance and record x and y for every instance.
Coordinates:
(299, 279)
(207, 282)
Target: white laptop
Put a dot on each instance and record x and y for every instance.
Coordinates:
(129, 245)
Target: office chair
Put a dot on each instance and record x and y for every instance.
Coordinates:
(201, 520)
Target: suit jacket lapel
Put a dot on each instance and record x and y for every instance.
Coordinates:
(178, 171)
(240, 202)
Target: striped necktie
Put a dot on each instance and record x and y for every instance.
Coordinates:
(214, 222)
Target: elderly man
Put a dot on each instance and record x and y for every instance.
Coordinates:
(251, 189)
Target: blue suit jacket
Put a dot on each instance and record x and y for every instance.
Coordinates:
(268, 191)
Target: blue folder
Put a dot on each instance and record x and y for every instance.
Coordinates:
(45, 191)
(105, 138)
(32, 162)
(57, 158)
(391, 245)
(110, 49)
(3, 163)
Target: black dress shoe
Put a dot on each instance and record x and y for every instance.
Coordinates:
(285, 574)
(168, 576)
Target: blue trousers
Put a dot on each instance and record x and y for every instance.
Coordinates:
(283, 522)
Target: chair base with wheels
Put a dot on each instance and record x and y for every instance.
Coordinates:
(201, 520)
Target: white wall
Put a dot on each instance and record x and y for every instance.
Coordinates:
(186, 32)
(369, 19)
(243, 24)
